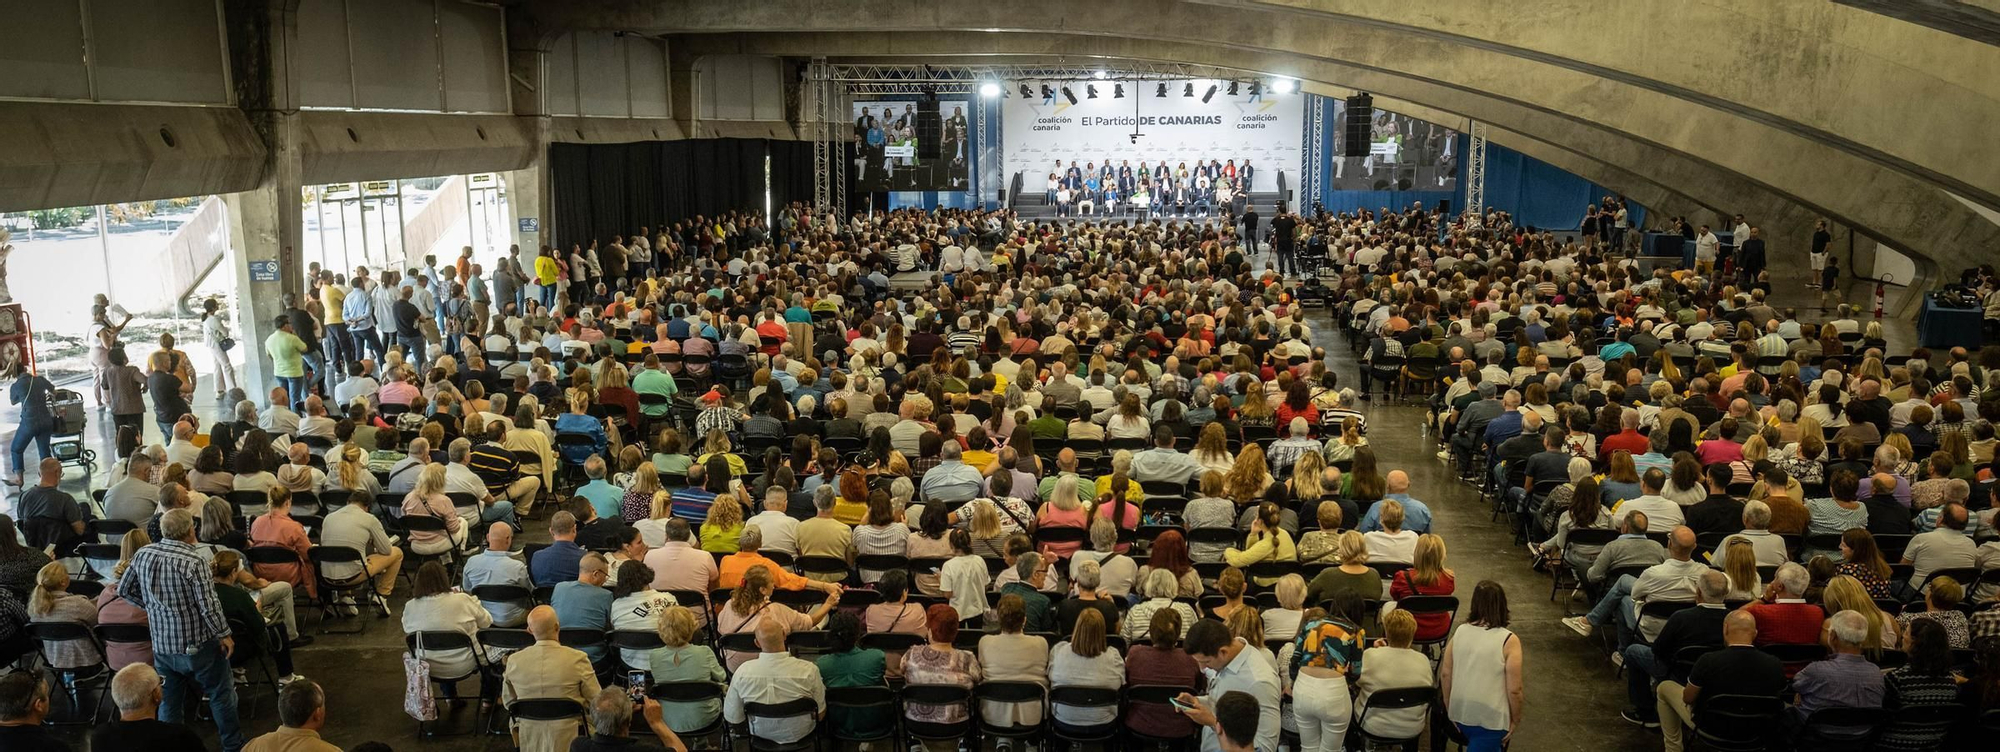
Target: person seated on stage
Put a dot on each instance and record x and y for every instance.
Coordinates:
(1084, 203)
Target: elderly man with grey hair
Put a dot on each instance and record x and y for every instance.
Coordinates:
(776, 677)
(1783, 615)
(135, 689)
(191, 639)
(403, 474)
(826, 538)
(1700, 626)
(1769, 546)
(1845, 679)
(781, 530)
(952, 480)
(611, 726)
(460, 478)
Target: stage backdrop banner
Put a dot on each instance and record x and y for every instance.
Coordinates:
(1265, 130)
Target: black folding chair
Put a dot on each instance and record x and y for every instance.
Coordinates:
(421, 642)
(49, 633)
(694, 693)
(876, 701)
(1011, 692)
(802, 707)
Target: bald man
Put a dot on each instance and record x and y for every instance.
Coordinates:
(547, 670)
(1739, 668)
(1416, 515)
(774, 678)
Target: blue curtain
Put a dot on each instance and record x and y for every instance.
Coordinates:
(1537, 193)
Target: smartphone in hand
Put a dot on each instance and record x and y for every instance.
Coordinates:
(636, 683)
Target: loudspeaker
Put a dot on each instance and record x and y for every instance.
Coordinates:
(1360, 116)
(930, 130)
(1444, 206)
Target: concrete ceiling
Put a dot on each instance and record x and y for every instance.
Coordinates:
(1777, 107)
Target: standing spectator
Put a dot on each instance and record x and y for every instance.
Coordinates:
(288, 360)
(214, 332)
(1481, 674)
(38, 421)
(191, 640)
(135, 689)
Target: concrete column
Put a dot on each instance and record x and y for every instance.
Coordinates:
(529, 195)
(682, 87)
(265, 226)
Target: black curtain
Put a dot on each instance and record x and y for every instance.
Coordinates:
(603, 190)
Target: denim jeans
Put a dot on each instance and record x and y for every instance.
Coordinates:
(549, 295)
(24, 434)
(413, 347)
(501, 510)
(367, 343)
(1618, 597)
(295, 390)
(1641, 670)
(209, 669)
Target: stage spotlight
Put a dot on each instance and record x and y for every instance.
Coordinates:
(1069, 95)
(1099, 75)
(1210, 94)
(1117, 91)
(1188, 91)
(1090, 91)
(1048, 93)
(989, 90)
(1161, 91)
(1027, 93)
(1256, 89)
(1232, 88)
(1283, 86)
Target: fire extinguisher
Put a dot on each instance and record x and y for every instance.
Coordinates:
(1881, 291)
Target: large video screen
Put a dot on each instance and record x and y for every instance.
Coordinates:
(886, 148)
(1404, 154)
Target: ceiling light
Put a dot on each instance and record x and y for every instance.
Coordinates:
(1090, 91)
(1232, 88)
(1188, 91)
(989, 90)
(1099, 75)
(1069, 95)
(1027, 93)
(1161, 91)
(1283, 86)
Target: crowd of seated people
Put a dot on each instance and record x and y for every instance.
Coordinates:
(1733, 490)
(1218, 186)
(1108, 468)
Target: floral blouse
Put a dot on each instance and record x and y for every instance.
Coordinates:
(925, 664)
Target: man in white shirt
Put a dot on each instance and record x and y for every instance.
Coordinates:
(460, 478)
(354, 527)
(1769, 546)
(1946, 547)
(1237, 668)
(1392, 542)
(1163, 462)
(315, 422)
(360, 382)
(1660, 512)
(774, 678)
(1673, 580)
(781, 531)
(278, 419)
(181, 449)
(1706, 247)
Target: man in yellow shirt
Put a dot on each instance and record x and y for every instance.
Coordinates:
(546, 273)
(332, 297)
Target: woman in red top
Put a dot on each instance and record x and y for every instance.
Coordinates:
(613, 390)
(1428, 576)
(1298, 404)
(276, 528)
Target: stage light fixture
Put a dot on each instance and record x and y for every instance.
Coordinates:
(1161, 91)
(1256, 89)
(1283, 86)
(1090, 91)
(1069, 95)
(1188, 91)
(1117, 91)
(1027, 93)
(1209, 94)
(1232, 88)
(1048, 93)
(989, 90)
(1099, 75)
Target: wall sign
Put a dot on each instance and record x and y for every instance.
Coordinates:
(530, 224)
(263, 271)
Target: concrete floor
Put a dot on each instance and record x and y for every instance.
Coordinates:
(1573, 702)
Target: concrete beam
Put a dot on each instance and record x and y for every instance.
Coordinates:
(61, 155)
(338, 146)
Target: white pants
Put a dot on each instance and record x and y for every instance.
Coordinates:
(225, 374)
(275, 603)
(1323, 709)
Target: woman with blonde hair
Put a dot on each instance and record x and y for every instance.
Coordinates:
(1342, 447)
(681, 659)
(643, 495)
(1231, 585)
(1256, 411)
(1267, 541)
(114, 609)
(1801, 459)
(350, 472)
(724, 524)
(1063, 510)
(715, 444)
(750, 604)
(1844, 593)
(1212, 449)
(1741, 567)
(1426, 576)
(653, 529)
(1282, 623)
(427, 499)
(1249, 477)
(1353, 574)
(51, 601)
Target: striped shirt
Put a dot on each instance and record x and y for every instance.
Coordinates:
(170, 581)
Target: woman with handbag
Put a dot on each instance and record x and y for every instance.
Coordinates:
(215, 334)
